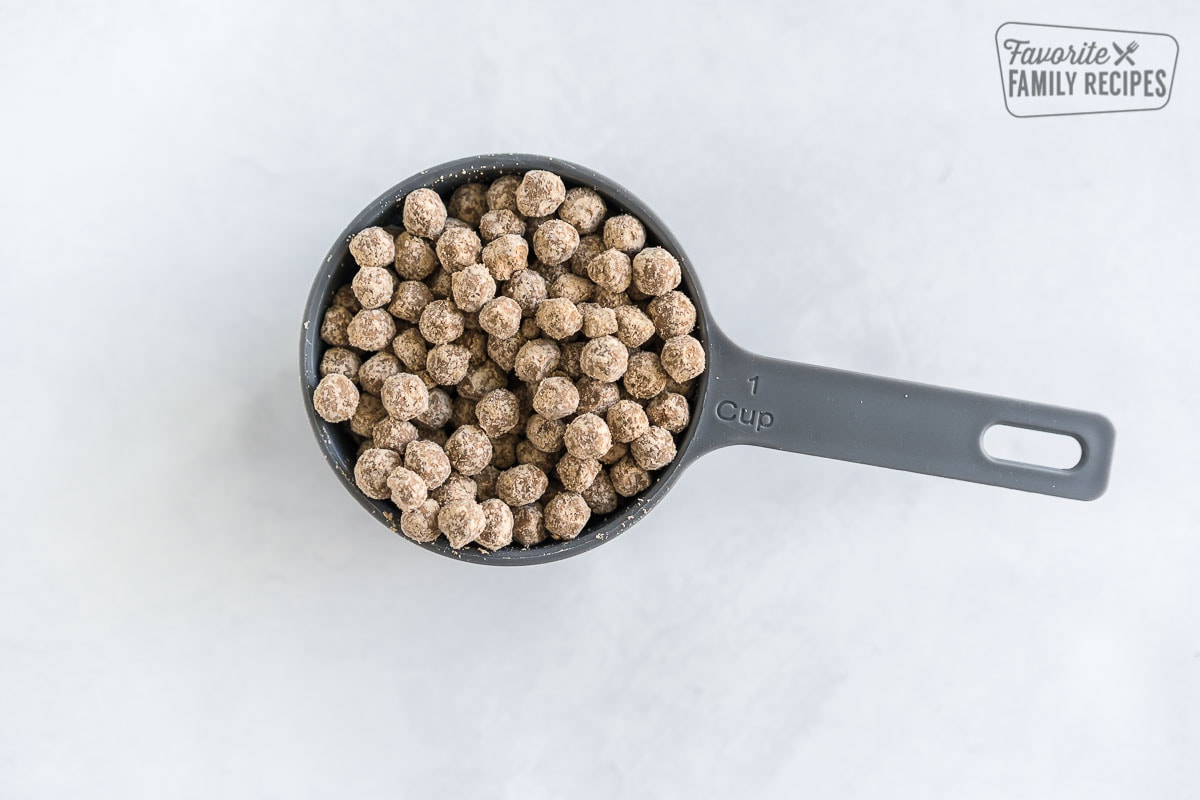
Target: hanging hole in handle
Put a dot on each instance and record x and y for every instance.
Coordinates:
(1034, 447)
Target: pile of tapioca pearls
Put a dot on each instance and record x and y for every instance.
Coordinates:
(500, 399)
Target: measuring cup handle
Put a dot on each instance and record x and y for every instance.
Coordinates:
(753, 399)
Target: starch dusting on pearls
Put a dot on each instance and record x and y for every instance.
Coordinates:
(512, 359)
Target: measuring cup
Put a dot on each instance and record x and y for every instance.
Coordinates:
(741, 398)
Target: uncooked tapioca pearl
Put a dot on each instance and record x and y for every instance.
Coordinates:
(377, 369)
(504, 351)
(340, 361)
(685, 388)
(645, 376)
(544, 433)
(500, 317)
(536, 360)
(410, 348)
(528, 288)
(502, 194)
(498, 412)
(393, 434)
(420, 524)
(448, 364)
(480, 380)
(529, 528)
(498, 524)
(682, 358)
(596, 397)
(371, 472)
(589, 247)
(370, 410)
(528, 454)
(583, 208)
(404, 395)
(335, 325)
(475, 340)
(428, 460)
(495, 224)
(373, 247)
(506, 256)
(554, 242)
(345, 298)
(485, 482)
(655, 271)
(540, 193)
(558, 318)
(409, 300)
(424, 213)
(624, 233)
(533, 223)
(408, 489)
(605, 358)
(504, 451)
(575, 288)
(597, 320)
(373, 286)
(552, 491)
(587, 436)
(556, 398)
(551, 272)
(439, 283)
(458, 248)
(611, 270)
(670, 411)
(472, 287)
(600, 496)
(566, 515)
(336, 398)
(524, 394)
(415, 259)
(627, 420)
(614, 454)
(576, 474)
(521, 485)
(568, 361)
(441, 322)
(634, 328)
(654, 449)
(461, 521)
(636, 296)
(469, 449)
(456, 487)
(438, 436)
(463, 412)
(467, 394)
(613, 300)
(468, 203)
(628, 478)
(437, 412)
(529, 330)
(371, 329)
(673, 314)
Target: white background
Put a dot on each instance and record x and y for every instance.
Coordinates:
(192, 606)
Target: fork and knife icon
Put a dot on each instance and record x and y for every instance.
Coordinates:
(1126, 54)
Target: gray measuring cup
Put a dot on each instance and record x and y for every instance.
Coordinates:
(742, 398)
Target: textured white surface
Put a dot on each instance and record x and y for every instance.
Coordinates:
(193, 607)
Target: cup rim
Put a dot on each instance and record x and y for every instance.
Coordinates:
(337, 268)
